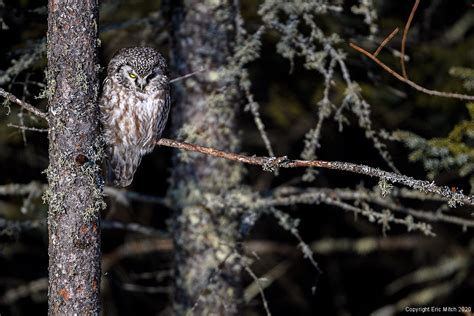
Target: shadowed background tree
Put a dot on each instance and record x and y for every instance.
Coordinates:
(205, 112)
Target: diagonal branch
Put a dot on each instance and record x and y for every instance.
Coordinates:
(404, 77)
(272, 163)
(385, 41)
(409, 82)
(10, 97)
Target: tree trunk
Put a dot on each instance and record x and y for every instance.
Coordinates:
(74, 193)
(207, 269)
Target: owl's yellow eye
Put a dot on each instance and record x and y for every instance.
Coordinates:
(132, 75)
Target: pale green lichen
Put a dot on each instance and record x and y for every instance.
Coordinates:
(367, 9)
(82, 79)
(50, 87)
(385, 187)
(6, 105)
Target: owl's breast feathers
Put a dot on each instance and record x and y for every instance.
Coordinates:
(131, 118)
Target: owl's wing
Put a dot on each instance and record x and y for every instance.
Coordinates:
(163, 116)
(105, 95)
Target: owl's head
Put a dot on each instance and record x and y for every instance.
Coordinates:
(142, 69)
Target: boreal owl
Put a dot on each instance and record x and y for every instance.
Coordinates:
(134, 107)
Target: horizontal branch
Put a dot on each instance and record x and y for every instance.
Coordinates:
(27, 225)
(119, 195)
(272, 163)
(17, 189)
(28, 128)
(328, 246)
(330, 196)
(10, 97)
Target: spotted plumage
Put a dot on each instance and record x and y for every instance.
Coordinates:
(134, 107)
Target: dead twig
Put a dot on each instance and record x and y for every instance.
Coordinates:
(259, 286)
(414, 85)
(187, 75)
(403, 77)
(27, 128)
(10, 97)
(385, 41)
(135, 248)
(404, 39)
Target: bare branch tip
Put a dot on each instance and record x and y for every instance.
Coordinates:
(10, 97)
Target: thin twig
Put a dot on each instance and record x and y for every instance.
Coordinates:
(27, 128)
(328, 246)
(147, 289)
(411, 83)
(385, 41)
(124, 197)
(120, 195)
(259, 286)
(404, 39)
(16, 189)
(187, 75)
(256, 287)
(27, 225)
(23, 104)
(135, 248)
(272, 163)
(33, 288)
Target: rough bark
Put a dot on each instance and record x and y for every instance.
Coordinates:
(207, 273)
(74, 193)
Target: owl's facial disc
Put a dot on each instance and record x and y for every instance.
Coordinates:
(142, 82)
(157, 78)
(128, 77)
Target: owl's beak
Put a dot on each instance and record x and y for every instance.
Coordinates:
(141, 84)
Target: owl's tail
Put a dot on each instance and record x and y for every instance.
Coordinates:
(122, 164)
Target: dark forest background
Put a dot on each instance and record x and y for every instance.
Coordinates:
(364, 266)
